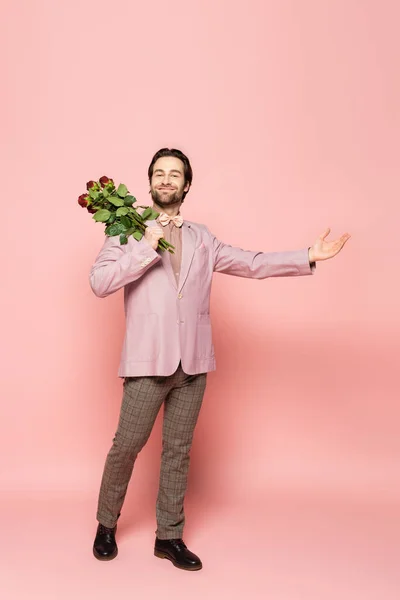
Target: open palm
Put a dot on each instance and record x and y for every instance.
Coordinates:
(322, 249)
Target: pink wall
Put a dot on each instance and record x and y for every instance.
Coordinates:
(289, 113)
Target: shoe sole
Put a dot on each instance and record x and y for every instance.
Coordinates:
(100, 557)
(161, 554)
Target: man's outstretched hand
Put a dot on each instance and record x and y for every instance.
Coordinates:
(322, 249)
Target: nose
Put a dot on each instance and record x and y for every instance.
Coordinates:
(165, 180)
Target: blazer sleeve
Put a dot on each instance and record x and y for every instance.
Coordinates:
(117, 265)
(232, 260)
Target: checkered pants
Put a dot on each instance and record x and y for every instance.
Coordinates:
(182, 396)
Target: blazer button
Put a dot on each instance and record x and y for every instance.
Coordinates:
(180, 295)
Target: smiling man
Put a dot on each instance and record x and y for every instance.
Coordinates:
(168, 349)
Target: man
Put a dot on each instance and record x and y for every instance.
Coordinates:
(168, 349)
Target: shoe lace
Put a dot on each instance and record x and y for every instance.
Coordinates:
(106, 530)
(179, 544)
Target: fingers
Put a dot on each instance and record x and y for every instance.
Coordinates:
(153, 234)
(341, 242)
(325, 234)
(343, 238)
(158, 232)
(154, 230)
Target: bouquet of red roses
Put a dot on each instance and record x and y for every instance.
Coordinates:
(114, 207)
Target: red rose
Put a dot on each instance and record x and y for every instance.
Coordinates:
(83, 200)
(91, 209)
(104, 180)
(91, 184)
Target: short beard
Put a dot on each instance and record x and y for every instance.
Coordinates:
(174, 198)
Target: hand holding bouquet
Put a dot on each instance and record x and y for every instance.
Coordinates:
(114, 207)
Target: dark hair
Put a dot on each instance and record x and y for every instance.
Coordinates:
(187, 171)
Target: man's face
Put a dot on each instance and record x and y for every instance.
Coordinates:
(168, 181)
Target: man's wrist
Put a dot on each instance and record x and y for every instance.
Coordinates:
(311, 259)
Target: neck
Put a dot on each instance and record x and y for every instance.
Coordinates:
(171, 211)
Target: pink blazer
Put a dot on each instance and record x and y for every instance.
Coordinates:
(166, 323)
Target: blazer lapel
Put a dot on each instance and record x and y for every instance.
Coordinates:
(188, 246)
(166, 261)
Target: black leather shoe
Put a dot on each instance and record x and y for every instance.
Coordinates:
(176, 551)
(105, 546)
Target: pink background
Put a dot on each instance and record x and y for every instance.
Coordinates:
(289, 113)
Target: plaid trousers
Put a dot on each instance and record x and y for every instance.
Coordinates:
(182, 395)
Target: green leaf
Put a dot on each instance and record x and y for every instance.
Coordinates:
(115, 229)
(112, 218)
(122, 190)
(130, 231)
(137, 235)
(122, 210)
(102, 215)
(93, 194)
(106, 193)
(146, 213)
(116, 201)
(126, 221)
(129, 200)
(123, 239)
(154, 215)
